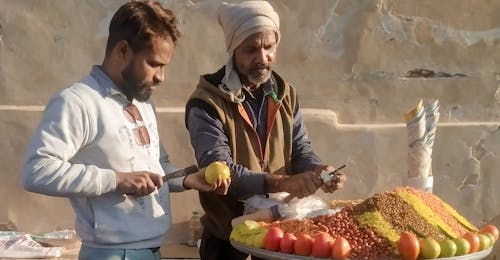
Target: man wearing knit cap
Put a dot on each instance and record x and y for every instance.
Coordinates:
(249, 116)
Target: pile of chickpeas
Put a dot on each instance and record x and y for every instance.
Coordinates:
(365, 243)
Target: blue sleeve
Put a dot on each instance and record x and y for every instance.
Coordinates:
(175, 184)
(303, 156)
(210, 144)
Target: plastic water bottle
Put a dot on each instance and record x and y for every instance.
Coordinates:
(194, 228)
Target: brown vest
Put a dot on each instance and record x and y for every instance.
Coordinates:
(245, 146)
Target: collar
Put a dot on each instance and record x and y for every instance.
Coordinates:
(270, 88)
(108, 87)
(266, 88)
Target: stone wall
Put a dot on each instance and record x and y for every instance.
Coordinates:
(358, 67)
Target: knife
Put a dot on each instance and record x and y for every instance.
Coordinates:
(324, 176)
(327, 176)
(179, 173)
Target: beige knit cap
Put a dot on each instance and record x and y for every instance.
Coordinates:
(239, 21)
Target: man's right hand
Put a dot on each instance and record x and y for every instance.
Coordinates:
(300, 185)
(138, 183)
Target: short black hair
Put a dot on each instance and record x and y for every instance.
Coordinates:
(138, 22)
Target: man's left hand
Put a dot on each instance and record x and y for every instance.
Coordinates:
(336, 183)
(197, 181)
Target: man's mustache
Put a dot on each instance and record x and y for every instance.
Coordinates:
(263, 66)
(148, 85)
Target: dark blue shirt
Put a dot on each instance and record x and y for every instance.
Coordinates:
(210, 143)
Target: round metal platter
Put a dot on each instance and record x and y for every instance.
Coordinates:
(270, 255)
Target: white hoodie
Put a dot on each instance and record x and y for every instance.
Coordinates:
(82, 140)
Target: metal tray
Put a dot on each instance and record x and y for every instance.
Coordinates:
(270, 255)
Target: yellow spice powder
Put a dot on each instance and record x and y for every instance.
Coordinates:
(426, 213)
(375, 220)
(460, 218)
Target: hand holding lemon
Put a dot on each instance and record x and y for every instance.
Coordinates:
(216, 177)
(217, 170)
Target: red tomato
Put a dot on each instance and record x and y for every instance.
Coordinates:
(303, 245)
(288, 243)
(473, 241)
(408, 246)
(490, 229)
(341, 248)
(272, 239)
(322, 245)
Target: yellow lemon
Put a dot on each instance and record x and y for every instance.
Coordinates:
(463, 246)
(258, 240)
(216, 169)
(429, 248)
(448, 248)
(492, 238)
(484, 242)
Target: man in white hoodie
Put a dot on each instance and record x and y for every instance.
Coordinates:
(98, 142)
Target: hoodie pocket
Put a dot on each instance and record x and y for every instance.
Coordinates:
(121, 219)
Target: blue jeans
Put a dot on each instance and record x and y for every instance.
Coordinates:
(92, 253)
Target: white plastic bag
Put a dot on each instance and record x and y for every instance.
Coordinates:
(257, 202)
(20, 245)
(307, 207)
(294, 209)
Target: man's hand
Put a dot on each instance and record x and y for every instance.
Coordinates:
(337, 181)
(138, 183)
(197, 181)
(300, 185)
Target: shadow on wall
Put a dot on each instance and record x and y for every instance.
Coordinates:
(426, 73)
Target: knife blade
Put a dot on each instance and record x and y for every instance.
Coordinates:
(179, 173)
(338, 169)
(327, 176)
(324, 176)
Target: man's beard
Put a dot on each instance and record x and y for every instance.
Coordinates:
(134, 88)
(257, 77)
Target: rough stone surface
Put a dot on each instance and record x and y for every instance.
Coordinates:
(358, 67)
